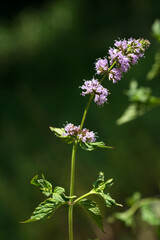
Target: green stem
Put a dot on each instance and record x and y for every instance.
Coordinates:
(73, 169)
(72, 180)
(83, 196)
(86, 110)
(70, 220)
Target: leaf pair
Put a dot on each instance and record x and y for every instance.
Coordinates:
(57, 198)
(147, 208)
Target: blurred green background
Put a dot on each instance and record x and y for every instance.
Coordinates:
(47, 48)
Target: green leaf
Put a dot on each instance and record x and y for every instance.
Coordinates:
(93, 210)
(142, 101)
(133, 199)
(99, 187)
(46, 208)
(156, 29)
(100, 184)
(59, 132)
(138, 94)
(131, 113)
(59, 190)
(155, 68)
(108, 200)
(44, 186)
(93, 146)
(148, 207)
(150, 213)
(91, 239)
(57, 197)
(125, 217)
(136, 110)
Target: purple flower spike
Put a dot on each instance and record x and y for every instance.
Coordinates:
(101, 66)
(126, 53)
(93, 86)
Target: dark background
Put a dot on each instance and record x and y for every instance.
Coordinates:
(47, 48)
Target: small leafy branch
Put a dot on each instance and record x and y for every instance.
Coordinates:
(147, 208)
(120, 58)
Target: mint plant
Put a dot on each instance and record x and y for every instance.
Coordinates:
(120, 58)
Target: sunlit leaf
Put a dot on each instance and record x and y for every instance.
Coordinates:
(60, 133)
(131, 113)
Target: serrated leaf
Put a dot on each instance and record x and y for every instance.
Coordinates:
(99, 180)
(44, 186)
(108, 200)
(59, 190)
(100, 184)
(46, 208)
(93, 146)
(60, 133)
(57, 197)
(93, 210)
(99, 187)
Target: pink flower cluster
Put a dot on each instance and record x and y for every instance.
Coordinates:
(93, 86)
(83, 135)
